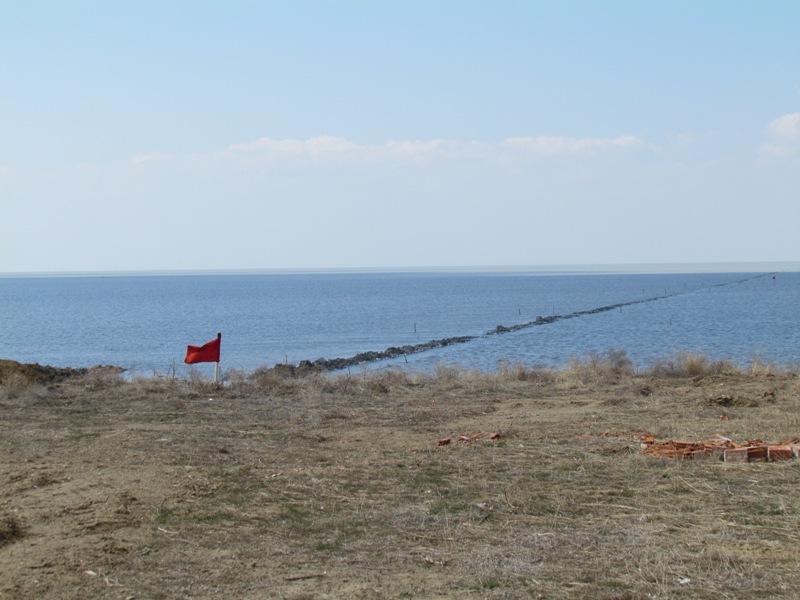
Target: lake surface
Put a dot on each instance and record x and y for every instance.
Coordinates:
(143, 323)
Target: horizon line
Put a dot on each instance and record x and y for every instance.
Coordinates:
(549, 269)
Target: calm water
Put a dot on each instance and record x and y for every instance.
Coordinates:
(143, 323)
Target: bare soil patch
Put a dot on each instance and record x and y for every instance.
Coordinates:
(337, 487)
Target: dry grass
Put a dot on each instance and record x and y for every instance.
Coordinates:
(335, 486)
(10, 529)
(687, 364)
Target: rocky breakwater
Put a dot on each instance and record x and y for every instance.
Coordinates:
(305, 367)
(319, 365)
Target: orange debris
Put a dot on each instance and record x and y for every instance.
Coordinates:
(722, 448)
(780, 452)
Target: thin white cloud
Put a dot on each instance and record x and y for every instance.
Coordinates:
(776, 150)
(153, 156)
(553, 145)
(787, 126)
(784, 137)
(413, 147)
(313, 146)
(684, 138)
(329, 146)
(329, 150)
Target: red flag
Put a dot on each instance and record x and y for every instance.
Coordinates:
(206, 353)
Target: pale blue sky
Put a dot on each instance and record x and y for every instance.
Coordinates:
(138, 135)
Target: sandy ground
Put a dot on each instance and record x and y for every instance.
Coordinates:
(338, 487)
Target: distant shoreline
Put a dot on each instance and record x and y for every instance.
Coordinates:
(578, 269)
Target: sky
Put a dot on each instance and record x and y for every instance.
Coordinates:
(179, 135)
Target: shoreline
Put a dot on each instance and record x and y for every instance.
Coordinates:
(678, 364)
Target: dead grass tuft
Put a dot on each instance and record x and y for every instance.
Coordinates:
(609, 368)
(448, 373)
(270, 381)
(519, 372)
(15, 385)
(688, 364)
(759, 367)
(10, 529)
(102, 377)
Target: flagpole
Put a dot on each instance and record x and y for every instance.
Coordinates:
(216, 364)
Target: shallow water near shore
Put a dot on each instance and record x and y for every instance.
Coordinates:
(143, 323)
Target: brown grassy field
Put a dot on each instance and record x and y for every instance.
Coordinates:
(336, 486)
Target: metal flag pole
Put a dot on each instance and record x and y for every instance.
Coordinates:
(216, 364)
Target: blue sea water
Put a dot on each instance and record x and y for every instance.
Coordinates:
(143, 323)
